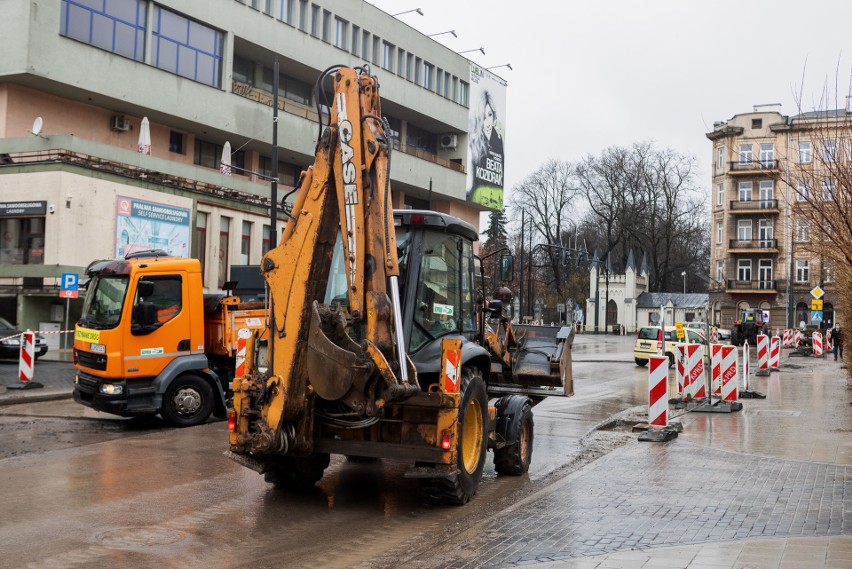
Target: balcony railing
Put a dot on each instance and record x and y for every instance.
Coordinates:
(752, 165)
(754, 205)
(756, 244)
(752, 286)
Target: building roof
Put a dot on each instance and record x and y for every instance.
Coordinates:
(678, 299)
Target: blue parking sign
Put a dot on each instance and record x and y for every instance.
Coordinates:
(70, 281)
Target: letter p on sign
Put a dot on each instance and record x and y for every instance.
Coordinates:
(70, 281)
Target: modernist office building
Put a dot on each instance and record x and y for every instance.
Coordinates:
(79, 76)
(762, 254)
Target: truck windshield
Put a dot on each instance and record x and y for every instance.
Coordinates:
(102, 309)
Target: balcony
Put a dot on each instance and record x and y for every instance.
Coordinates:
(759, 286)
(753, 246)
(755, 206)
(752, 167)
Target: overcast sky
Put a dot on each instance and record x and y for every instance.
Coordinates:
(597, 73)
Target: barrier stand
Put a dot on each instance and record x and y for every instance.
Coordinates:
(787, 342)
(816, 340)
(762, 355)
(745, 393)
(774, 354)
(723, 369)
(659, 430)
(26, 363)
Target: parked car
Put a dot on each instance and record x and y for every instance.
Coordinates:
(723, 333)
(10, 342)
(651, 339)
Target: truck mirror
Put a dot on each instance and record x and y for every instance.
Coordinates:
(144, 289)
(507, 268)
(144, 319)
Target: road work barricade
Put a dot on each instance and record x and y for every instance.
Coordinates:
(829, 341)
(716, 368)
(729, 373)
(723, 374)
(774, 353)
(714, 334)
(816, 341)
(695, 378)
(26, 363)
(746, 393)
(787, 339)
(658, 403)
(680, 368)
(762, 355)
(797, 338)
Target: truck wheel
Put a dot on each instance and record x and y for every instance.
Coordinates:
(296, 473)
(515, 427)
(471, 444)
(188, 401)
(640, 363)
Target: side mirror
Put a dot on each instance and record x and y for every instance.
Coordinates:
(507, 268)
(144, 289)
(144, 319)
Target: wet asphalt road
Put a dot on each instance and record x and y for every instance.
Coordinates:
(83, 489)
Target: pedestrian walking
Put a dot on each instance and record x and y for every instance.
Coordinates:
(837, 338)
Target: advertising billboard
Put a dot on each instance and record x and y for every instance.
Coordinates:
(141, 225)
(486, 138)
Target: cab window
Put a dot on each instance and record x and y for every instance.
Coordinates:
(164, 293)
(438, 301)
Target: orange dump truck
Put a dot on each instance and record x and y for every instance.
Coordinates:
(149, 341)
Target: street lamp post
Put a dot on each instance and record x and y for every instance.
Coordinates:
(683, 274)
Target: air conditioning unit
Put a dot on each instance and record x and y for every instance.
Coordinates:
(119, 123)
(449, 140)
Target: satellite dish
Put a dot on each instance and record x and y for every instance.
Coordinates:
(37, 124)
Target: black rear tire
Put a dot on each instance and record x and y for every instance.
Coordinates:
(187, 402)
(471, 445)
(640, 363)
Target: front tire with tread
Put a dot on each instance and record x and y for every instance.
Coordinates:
(187, 402)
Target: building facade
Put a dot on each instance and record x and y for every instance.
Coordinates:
(79, 77)
(763, 250)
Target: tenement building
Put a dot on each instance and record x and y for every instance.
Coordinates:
(768, 169)
(137, 124)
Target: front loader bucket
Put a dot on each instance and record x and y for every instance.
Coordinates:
(335, 362)
(542, 357)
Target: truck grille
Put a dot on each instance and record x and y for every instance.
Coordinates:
(88, 382)
(92, 361)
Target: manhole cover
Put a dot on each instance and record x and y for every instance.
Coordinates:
(124, 538)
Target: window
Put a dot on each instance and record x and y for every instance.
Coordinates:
(767, 155)
(720, 195)
(464, 93)
(365, 45)
(118, 27)
(830, 150)
(387, 55)
(267, 7)
(765, 233)
(746, 155)
(428, 75)
(745, 191)
(720, 271)
(23, 240)
(292, 88)
(439, 80)
(224, 232)
(287, 173)
(315, 20)
(209, 155)
(804, 152)
(186, 48)
(418, 139)
(409, 67)
(245, 243)
(803, 230)
(243, 70)
(720, 231)
(802, 191)
(827, 272)
(356, 37)
(756, 123)
(176, 142)
(829, 190)
(764, 274)
(400, 62)
(200, 244)
(766, 194)
(341, 29)
(285, 11)
(744, 270)
(326, 26)
(802, 270)
(720, 158)
(303, 15)
(744, 230)
(166, 296)
(447, 79)
(265, 245)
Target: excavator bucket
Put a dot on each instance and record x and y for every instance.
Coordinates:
(542, 358)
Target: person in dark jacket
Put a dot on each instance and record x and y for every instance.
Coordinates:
(837, 338)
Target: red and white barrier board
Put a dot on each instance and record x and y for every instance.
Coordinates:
(746, 365)
(680, 367)
(829, 341)
(816, 339)
(27, 359)
(716, 368)
(695, 371)
(728, 367)
(797, 338)
(762, 354)
(787, 339)
(243, 334)
(714, 334)
(658, 380)
(775, 353)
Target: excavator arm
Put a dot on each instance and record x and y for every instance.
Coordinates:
(352, 352)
